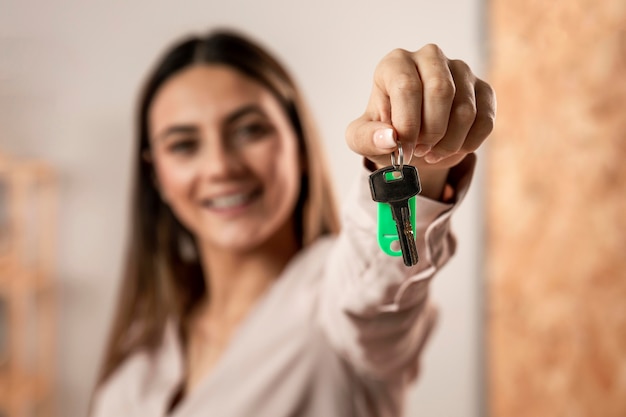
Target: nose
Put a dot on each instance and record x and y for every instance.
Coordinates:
(219, 162)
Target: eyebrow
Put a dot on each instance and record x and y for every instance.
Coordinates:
(177, 129)
(244, 111)
(231, 118)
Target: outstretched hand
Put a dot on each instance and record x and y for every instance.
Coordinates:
(436, 107)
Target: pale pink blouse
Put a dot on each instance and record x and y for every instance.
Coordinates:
(338, 334)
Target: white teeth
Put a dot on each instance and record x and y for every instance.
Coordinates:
(229, 201)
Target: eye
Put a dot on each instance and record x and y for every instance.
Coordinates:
(252, 131)
(184, 146)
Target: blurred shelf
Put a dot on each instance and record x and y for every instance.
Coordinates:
(27, 290)
(15, 279)
(23, 387)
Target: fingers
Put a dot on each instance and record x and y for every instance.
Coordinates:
(485, 116)
(438, 94)
(472, 116)
(461, 117)
(415, 93)
(436, 107)
(397, 96)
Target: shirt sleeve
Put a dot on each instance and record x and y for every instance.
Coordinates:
(375, 310)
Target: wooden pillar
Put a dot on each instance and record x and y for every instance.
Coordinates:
(28, 191)
(556, 198)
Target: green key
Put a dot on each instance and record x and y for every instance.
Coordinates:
(394, 188)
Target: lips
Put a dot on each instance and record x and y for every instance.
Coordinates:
(231, 201)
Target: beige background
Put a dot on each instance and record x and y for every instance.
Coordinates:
(69, 72)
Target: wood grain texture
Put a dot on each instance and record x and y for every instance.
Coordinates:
(556, 199)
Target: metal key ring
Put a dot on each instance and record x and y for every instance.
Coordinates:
(399, 163)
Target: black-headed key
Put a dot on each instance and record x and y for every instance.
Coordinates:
(395, 186)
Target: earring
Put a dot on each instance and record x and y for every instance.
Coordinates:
(187, 248)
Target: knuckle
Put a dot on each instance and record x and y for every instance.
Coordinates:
(432, 135)
(483, 126)
(486, 94)
(465, 113)
(446, 149)
(460, 66)
(432, 49)
(398, 53)
(485, 123)
(440, 88)
(395, 55)
(409, 127)
(407, 83)
(483, 85)
(472, 146)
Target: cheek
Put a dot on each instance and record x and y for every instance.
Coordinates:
(277, 164)
(174, 180)
(287, 172)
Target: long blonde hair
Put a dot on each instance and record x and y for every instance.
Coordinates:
(160, 281)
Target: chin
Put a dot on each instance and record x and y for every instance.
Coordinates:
(241, 242)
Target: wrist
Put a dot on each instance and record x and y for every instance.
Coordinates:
(434, 184)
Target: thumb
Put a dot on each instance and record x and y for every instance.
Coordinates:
(375, 140)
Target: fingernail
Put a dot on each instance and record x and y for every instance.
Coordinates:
(421, 150)
(432, 158)
(384, 138)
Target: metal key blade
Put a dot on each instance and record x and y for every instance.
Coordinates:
(394, 187)
(402, 216)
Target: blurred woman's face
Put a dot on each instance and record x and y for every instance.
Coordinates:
(226, 157)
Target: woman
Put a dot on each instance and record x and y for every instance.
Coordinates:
(242, 297)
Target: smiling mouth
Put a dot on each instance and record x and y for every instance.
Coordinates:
(231, 201)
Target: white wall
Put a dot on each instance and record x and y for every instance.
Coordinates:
(69, 72)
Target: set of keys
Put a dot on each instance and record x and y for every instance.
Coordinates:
(394, 188)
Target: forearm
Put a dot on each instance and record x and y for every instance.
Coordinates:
(373, 308)
(365, 291)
